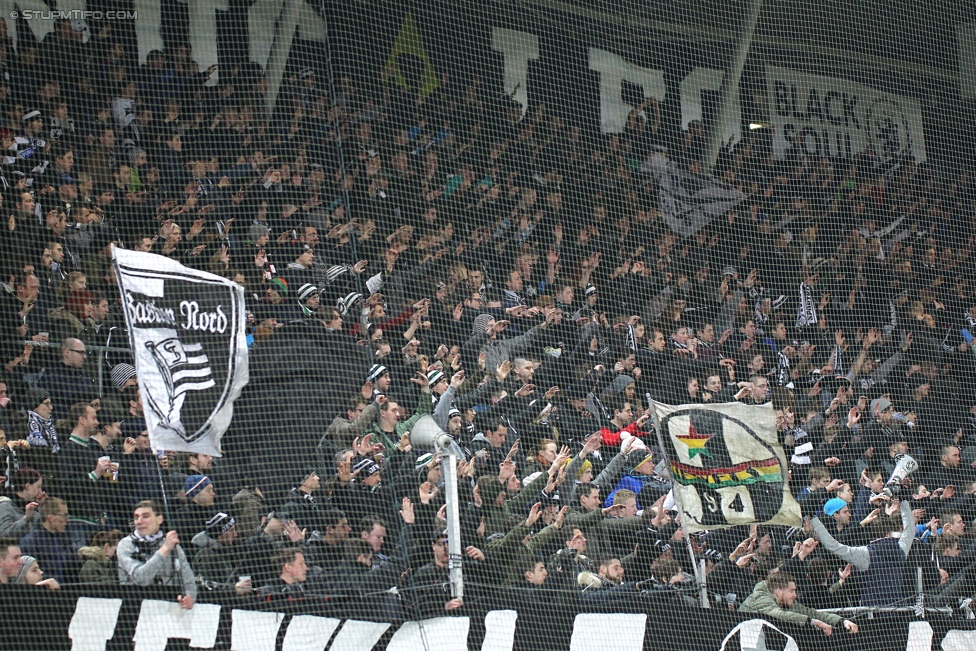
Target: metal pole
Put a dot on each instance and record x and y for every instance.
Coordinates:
(919, 585)
(162, 489)
(449, 472)
(730, 83)
(101, 372)
(699, 574)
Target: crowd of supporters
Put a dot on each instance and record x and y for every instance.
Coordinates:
(504, 270)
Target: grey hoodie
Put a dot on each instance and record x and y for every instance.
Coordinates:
(141, 563)
(13, 523)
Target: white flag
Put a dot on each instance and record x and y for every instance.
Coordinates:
(187, 331)
(727, 466)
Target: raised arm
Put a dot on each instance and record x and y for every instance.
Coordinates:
(908, 523)
(856, 556)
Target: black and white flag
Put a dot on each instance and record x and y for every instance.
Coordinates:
(689, 201)
(187, 333)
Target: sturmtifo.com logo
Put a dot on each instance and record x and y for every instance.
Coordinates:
(73, 14)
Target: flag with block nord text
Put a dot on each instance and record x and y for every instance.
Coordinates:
(727, 466)
(187, 331)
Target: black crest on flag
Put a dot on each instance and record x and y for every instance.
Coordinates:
(185, 327)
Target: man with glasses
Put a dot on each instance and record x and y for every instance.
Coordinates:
(67, 382)
(50, 543)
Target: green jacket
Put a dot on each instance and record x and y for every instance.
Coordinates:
(762, 601)
(424, 406)
(340, 435)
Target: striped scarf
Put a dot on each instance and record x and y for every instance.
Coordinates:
(631, 338)
(807, 314)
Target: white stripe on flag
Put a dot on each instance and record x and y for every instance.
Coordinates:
(191, 373)
(195, 386)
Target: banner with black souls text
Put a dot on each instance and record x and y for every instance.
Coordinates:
(828, 116)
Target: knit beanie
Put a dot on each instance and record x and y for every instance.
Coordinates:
(194, 485)
(481, 322)
(306, 291)
(365, 467)
(35, 396)
(433, 377)
(376, 371)
(24, 569)
(220, 524)
(122, 373)
(256, 231)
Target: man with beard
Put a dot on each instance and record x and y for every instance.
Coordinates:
(776, 597)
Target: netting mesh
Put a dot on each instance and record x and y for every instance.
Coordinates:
(686, 286)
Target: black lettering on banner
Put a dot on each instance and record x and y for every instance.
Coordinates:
(838, 152)
(803, 140)
(828, 100)
(850, 108)
(737, 505)
(789, 132)
(798, 116)
(782, 99)
(813, 105)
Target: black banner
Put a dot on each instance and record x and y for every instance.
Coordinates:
(115, 618)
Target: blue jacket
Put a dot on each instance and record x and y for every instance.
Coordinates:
(54, 552)
(634, 483)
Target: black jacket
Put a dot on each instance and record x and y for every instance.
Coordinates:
(67, 386)
(76, 465)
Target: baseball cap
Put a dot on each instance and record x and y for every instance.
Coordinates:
(834, 505)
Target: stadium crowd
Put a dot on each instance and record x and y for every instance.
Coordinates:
(507, 272)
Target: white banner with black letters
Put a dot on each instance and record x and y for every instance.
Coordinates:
(187, 333)
(839, 118)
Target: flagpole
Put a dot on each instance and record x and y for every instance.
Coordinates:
(699, 573)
